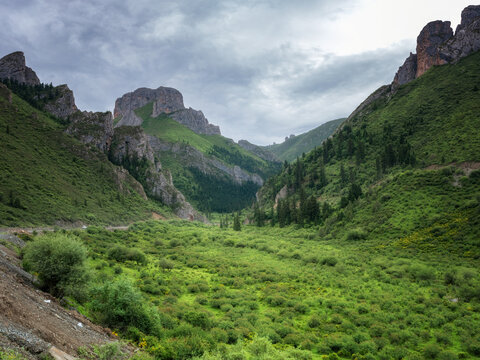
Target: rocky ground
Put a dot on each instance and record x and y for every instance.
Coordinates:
(33, 322)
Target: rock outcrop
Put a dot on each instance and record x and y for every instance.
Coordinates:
(467, 36)
(196, 121)
(64, 104)
(407, 72)
(131, 149)
(257, 150)
(431, 37)
(438, 45)
(165, 101)
(92, 128)
(13, 67)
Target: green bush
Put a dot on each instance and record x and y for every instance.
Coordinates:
(59, 260)
(356, 234)
(121, 254)
(120, 305)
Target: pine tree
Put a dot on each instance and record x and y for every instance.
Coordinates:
(236, 222)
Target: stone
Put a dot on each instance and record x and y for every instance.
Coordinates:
(64, 105)
(92, 128)
(407, 72)
(12, 66)
(432, 36)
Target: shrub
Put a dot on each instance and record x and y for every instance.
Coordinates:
(121, 254)
(430, 351)
(119, 305)
(356, 234)
(330, 261)
(59, 260)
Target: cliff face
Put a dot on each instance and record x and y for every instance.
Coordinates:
(431, 37)
(64, 105)
(13, 67)
(467, 36)
(92, 128)
(131, 148)
(437, 45)
(165, 101)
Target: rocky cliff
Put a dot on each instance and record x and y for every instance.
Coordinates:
(131, 148)
(92, 128)
(438, 45)
(64, 104)
(13, 67)
(165, 101)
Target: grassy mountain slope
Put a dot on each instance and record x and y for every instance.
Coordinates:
(403, 170)
(295, 146)
(208, 191)
(48, 177)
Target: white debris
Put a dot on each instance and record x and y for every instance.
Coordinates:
(80, 324)
(47, 301)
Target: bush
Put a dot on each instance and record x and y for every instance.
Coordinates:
(330, 261)
(120, 305)
(430, 351)
(121, 254)
(59, 260)
(356, 234)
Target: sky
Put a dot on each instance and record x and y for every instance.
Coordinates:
(261, 70)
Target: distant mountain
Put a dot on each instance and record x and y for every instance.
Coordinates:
(295, 146)
(213, 172)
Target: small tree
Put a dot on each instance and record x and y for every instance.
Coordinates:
(236, 222)
(59, 260)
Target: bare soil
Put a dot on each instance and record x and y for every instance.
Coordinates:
(32, 321)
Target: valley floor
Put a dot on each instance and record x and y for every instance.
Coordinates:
(286, 293)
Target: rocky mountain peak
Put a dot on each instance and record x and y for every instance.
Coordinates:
(437, 45)
(469, 15)
(165, 101)
(431, 37)
(12, 66)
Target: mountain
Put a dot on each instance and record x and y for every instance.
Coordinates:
(404, 167)
(213, 172)
(295, 146)
(55, 164)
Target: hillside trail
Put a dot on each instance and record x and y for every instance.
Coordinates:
(33, 322)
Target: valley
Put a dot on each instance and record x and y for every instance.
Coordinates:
(164, 239)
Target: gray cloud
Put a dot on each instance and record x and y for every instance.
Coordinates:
(244, 63)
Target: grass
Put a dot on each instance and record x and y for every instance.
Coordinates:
(217, 291)
(47, 177)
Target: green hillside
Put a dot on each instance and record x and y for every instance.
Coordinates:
(404, 170)
(295, 146)
(207, 190)
(47, 177)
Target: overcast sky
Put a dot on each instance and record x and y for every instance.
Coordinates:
(259, 69)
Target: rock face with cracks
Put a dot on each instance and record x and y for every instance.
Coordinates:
(12, 66)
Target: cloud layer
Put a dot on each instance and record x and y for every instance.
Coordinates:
(259, 69)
